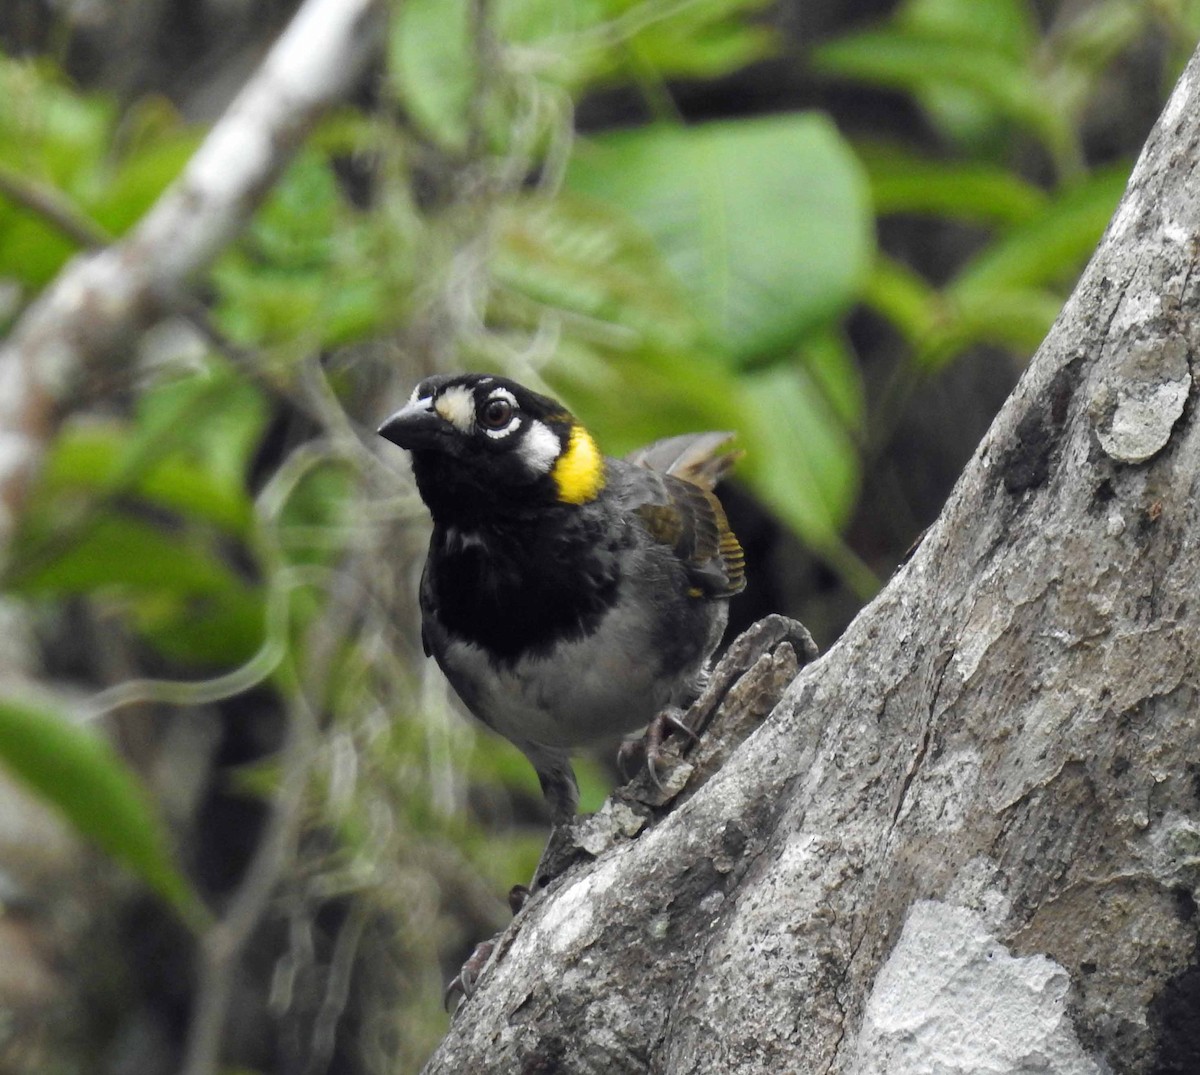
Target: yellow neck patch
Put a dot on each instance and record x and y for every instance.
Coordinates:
(579, 471)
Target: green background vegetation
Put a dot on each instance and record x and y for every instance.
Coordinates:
(218, 542)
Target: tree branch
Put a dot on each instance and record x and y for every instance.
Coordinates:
(102, 299)
(965, 838)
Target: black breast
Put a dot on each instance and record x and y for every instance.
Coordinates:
(519, 586)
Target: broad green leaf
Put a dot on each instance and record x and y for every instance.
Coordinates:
(432, 64)
(84, 779)
(90, 458)
(583, 258)
(1053, 246)
(1007, 26)
(765, 222)
(121, 551)
(903, 182)
(829, 362)
(800, 459)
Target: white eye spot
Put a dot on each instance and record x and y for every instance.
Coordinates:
(512, 427)
(540, 448)
(456, 404)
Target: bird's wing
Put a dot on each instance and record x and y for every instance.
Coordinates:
(670, 493)
(700, 458)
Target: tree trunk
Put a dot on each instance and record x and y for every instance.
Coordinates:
(968, 838)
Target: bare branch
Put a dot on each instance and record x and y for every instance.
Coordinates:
(102, 299)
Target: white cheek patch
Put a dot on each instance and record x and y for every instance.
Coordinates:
(456, 404)
(540, 448)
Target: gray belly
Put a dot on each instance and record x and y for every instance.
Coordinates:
(609, 683)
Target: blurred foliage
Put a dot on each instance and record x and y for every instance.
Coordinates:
(662, 278)
(86, 780)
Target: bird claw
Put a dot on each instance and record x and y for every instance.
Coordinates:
(635, 753)
(463, 984)
(667, 721)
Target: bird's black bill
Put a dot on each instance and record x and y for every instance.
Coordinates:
(414, 426)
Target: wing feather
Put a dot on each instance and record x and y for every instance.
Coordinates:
(679, 509)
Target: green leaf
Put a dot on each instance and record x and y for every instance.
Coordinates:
(585, 259)
(800, 459)
(90, 458)
(434, 63)
(905, 298)
(967, 82)
(940, 326)
(139, 180)
(701, 39)
(214, 417)
(916, 59)
(432, 66)
(830, 363)
(1015, 318)
(904, 182)
(435, 67)
(119, 550)
(208, 630)
(1007, 26)
(84, 779)
(1052, 247)
(765, 222)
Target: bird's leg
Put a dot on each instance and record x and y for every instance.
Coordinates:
(561, 790)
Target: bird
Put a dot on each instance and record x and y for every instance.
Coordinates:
(568, 597)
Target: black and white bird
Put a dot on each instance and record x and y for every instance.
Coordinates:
(568, 597)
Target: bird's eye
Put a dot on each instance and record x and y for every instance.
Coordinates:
(496, 414)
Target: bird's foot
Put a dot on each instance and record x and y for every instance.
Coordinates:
(752, 674)
(462, 985)
(634, 753)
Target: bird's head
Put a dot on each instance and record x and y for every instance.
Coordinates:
(484, 445)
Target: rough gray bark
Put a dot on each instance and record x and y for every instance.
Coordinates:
(968, 837)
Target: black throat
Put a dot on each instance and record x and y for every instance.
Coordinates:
(517, 585)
